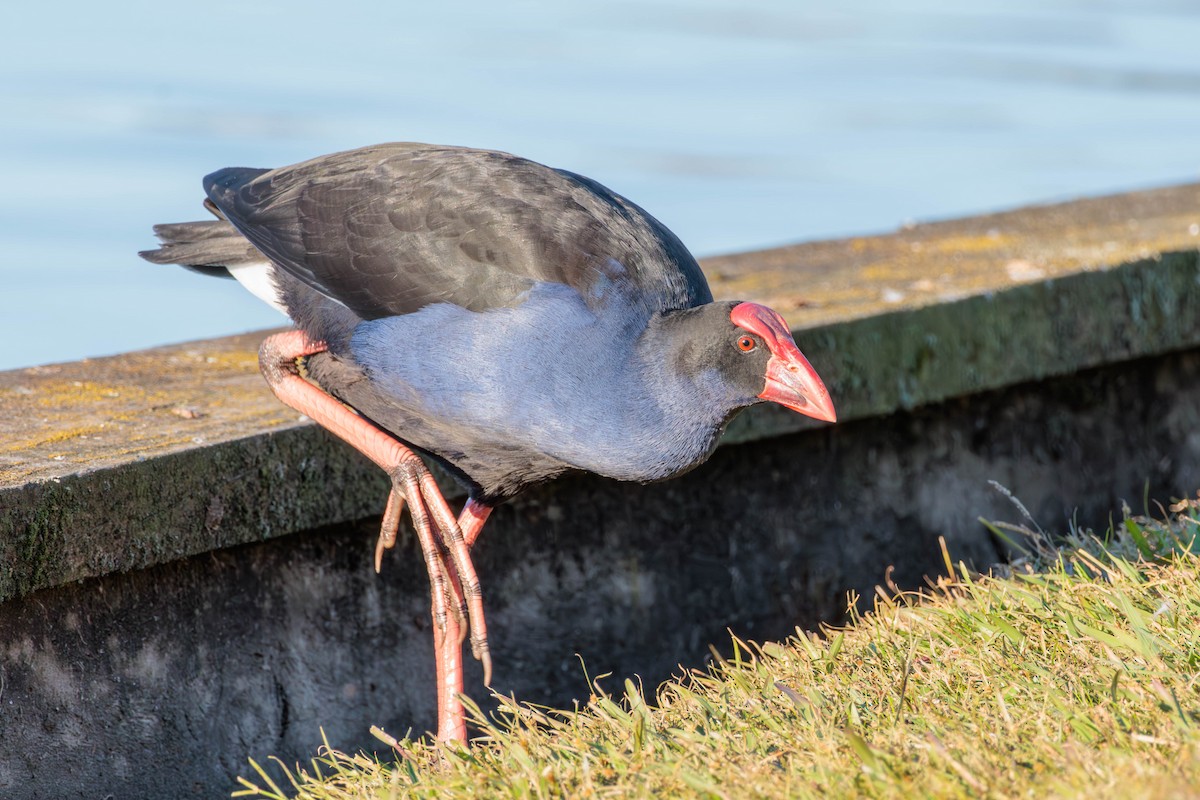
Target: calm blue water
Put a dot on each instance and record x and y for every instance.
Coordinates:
(739, 124)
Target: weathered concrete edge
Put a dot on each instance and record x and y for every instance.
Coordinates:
(275, 483)
(179, 504)
(918, 356)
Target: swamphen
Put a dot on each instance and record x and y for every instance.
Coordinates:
(507, 320)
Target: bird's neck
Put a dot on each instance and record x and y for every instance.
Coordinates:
(673, 365)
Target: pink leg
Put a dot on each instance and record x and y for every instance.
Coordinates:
(447, 644)
(440, 534)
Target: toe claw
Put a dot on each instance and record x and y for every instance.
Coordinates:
(479, 649)
(379, 548)
(389, 528)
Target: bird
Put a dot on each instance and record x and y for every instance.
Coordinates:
(508, 321)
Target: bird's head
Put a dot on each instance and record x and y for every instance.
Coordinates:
(738, 354)
(764, 340)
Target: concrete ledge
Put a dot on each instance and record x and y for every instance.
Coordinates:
(114, 464)
(156, 619)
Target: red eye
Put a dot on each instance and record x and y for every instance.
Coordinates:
(746, 344)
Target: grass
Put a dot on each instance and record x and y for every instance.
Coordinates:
(1075, 673)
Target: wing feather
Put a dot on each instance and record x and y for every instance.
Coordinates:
(389, 229)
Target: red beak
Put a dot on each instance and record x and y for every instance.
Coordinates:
(791, 380)
(794, 384)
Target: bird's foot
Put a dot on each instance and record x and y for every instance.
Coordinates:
(454, 583)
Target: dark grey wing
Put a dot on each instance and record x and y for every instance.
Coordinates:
(388, 229)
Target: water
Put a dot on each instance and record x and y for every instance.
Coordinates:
(739, 124)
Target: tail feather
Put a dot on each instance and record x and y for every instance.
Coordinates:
(208, 247)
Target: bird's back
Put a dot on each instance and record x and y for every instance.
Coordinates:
(390, 229)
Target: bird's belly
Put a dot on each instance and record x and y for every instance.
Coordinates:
(503, 441)
(537, 389)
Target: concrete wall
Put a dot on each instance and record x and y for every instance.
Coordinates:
(176, 607)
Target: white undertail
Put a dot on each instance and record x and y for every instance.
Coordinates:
(256, 277)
